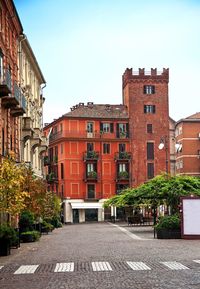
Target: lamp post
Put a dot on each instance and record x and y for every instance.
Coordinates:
(164, 145)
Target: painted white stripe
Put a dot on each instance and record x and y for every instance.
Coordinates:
(197, 261)
(1, 267)
(133, 236)
(101, 266)
(174, 265)
(138, 266)
(64, 267)
(26, 269)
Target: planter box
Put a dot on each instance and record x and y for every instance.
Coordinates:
(168, 234)
(27, 238)
(4, 248)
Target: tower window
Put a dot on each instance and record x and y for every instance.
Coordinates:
(149, 128)
(149, 89)
(150, 151)
(149, 108)
(150, 170)
(106, 148)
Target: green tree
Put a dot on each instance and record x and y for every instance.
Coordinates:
(12, 195)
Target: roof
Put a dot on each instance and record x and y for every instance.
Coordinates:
(194, 116)
(98, 111)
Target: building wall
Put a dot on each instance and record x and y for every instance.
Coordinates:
(10, 31)
(188, 157)
(135, 98)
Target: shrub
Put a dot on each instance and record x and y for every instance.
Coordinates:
(30, 236)
(47, 227)
(169, 222)
(26, 221)
(8, 233)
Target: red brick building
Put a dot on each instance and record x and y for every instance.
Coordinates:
(12, 101)
(187, 132)
(95, 151)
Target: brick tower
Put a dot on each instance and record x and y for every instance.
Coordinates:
(146, 96)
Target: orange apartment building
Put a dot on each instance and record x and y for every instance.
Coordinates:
(187, 132)
(95, 151)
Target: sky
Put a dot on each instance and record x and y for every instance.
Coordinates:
(84, 46)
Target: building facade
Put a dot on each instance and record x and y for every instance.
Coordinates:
(96, 151)
(187, 133)
(21, 100)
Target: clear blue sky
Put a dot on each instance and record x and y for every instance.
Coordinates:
(84, 46)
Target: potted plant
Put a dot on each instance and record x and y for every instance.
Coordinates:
(7, 236)
(123, 175)
(92, 175)
(169, 227)
(30, 236)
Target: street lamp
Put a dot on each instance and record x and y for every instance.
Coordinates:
(164, 145)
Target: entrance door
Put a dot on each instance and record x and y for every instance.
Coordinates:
(91, 215)
(75, 216)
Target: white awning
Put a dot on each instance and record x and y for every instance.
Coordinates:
(86, 205)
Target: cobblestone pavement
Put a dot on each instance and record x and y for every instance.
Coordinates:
(102, 255)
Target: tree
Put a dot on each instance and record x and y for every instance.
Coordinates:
(163, 189)
(12, 195)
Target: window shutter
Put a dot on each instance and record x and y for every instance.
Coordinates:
(153, 89)
(150, 151)
(127, 130)
(101, 126)
(117, 132)
(144, 89)
(154, 108)
(111, 127)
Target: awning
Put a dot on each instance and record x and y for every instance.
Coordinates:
(85, 205)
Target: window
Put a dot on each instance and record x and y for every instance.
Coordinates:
(150, 170)
(149, 89)
(122, 130)
(122, 147)
(122, 168)
(150, 151)
(61, 148)
(91, 191)
(90, 127)
(149, 108)
(106, 148)
(149, 128)
(1, 67)
(62, 171)
(90, 147)
(106, 127)
(91, 167)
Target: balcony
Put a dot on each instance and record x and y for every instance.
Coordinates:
(12, 100)
(51, 178)
(91, 176)
(92, 196)
(21, 109)
(123, 156)
(5, 84)
(122, 176)
(91, 156)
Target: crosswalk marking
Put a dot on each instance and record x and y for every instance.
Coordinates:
(64, 267)
(101, 266)
(26, 269)
(174, 265)
(138, 266)
(197, 261)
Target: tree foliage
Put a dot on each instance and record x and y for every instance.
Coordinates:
(12, 195)
(163, 189)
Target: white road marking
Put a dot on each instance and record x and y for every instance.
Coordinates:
(138, 265)
(174, 265)
(64, 267)
(1, 267)
(101, 266)
(197, 261)
(133, 236)
(26, 269)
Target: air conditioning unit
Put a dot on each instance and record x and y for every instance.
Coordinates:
(90, 134)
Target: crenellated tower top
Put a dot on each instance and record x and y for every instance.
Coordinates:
(140, 75)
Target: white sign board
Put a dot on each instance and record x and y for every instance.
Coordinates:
(191, 217)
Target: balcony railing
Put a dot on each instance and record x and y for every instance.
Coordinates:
(91, 155)
(5, 83)
(93, 196)
(123, 156)
(123, 176)
(91, 176)
(51, 178)
(82, 134)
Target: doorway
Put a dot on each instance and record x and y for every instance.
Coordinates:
(75, 216)
(91, 215)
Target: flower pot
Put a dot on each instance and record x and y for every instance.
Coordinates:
(169, 234)
(4, 247)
